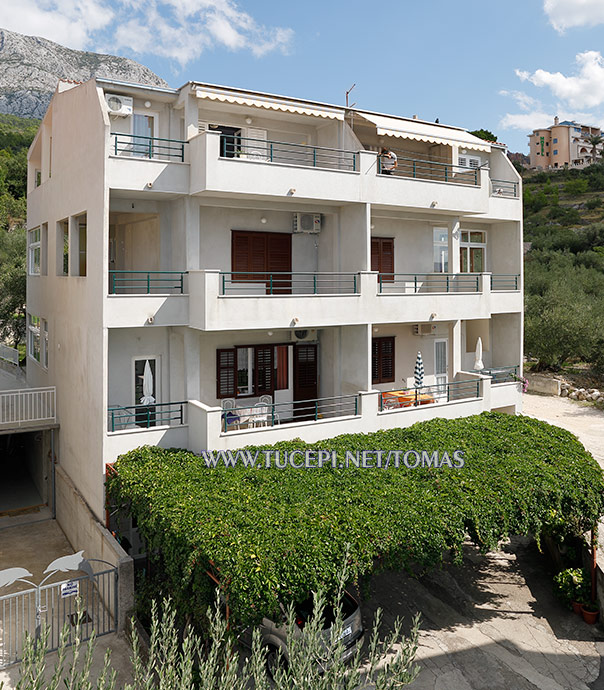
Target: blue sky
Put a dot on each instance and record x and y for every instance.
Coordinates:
(507, 66)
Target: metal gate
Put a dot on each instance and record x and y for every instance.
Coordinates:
(54, 605)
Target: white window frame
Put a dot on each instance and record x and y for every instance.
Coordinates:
(35, 246)
(444, 245)
(37, 332)
(468, 160)
(446, 374)
(469, 244)
(149, 113)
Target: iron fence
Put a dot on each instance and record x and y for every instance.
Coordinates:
(286, 283)
(139, 146)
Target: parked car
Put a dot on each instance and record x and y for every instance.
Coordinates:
(274, 635)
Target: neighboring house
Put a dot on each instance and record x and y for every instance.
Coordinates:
(564, 144)
(204, 247)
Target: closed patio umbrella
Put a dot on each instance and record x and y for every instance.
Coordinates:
(147, 398)
(478, 364)
(418, 374)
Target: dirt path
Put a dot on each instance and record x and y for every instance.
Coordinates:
(582, 419)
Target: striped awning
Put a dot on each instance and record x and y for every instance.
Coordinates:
(424, 131)
(283, 106)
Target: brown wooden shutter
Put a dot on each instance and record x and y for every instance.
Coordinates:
(226, 373)
(382, 360)
(279, 260)
(282, 367)
(264, 369)
(382, 257)
(375, 254)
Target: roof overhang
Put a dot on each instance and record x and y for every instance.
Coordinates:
(269, 104)
(423, 131)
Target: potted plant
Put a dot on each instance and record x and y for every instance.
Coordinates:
(572, 586)
(590, 612)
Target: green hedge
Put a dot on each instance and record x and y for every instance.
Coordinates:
(277, 534)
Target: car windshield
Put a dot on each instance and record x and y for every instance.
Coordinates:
(305, 609)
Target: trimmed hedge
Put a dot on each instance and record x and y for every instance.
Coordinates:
(275, 534)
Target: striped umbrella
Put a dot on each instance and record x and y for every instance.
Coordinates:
(418, 372)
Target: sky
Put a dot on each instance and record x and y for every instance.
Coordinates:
(506, 66)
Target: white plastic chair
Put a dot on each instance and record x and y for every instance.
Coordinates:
(228, 403)
(266, 399)
(230, 419)
(260, 417)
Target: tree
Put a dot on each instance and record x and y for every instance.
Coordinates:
(12, 284)
(594, 140)
(485, 134)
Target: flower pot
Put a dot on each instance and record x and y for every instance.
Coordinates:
(577, 606)
(589, 616)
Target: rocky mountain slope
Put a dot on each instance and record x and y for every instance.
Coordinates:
(30, 68)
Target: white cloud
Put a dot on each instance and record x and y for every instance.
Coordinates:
(565, 14)
(584, 89)
(176, 29)
(526, 121)
(523, 100)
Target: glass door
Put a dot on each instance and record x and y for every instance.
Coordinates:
(143, 127)
(441, 368)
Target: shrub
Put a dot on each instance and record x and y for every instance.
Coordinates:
(596, 202)
(573, 584)
(275, 534)
(565, 215)
(578, 186)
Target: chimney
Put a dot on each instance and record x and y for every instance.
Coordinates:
(556, 121)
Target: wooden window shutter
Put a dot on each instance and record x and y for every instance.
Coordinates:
(375, 361)
(282, 367)
(226, 373)
(264, 368)
(382, 360)
(382, 257)
(375, 254)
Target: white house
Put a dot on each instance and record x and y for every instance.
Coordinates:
(200, 248)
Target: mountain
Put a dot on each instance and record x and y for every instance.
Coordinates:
(30, 68)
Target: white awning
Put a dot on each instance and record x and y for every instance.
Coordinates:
(422, 131)
(269, 105)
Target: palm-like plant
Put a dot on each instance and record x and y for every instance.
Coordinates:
(594, 140)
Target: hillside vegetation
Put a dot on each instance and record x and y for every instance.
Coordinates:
(16, 134)
(564, 269)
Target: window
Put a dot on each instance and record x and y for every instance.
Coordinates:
(468, 162)
(555, 152)
(246, 371)
(382, 257)
(473, 251)
(37, 339)
(35, 252)
(63, 247)
(37, 177)
(441, 250)
(555, 141)
(382, 360)
(80, 239)
(257, 256)
(143, 128)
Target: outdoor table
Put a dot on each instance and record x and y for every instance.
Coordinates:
(406, 398)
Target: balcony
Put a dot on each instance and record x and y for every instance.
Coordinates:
(505, 188)
(438, 393)
(28, 408)
(122, 417)
(140, 298)
(152, 148)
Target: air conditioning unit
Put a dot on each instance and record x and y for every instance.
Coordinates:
(304, 334)
(120, 106)
(424, 329)
(307, 223)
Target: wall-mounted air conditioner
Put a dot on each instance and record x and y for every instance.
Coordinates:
(307, 223)
(304, 334)
(424, 329)
(120, 106)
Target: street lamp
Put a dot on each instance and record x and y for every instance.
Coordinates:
(63, 564)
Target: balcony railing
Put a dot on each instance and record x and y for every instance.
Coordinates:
(138, 146)
(500, 374)
(270, 414)
(505, 188)
(9, 354)
(438, 392)
(416, 168)
(146, 282)
(428, 282)
(146, 416)
(286, 153)
(27, 406)
(506, 281)
(281, 283)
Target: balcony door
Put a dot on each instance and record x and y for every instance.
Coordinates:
(441, 363)
(263, 259)
(306, 377)
(382, 257)
(143, 131)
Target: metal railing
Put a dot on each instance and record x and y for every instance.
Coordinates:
(437, 392)
(139, 146)
(505, 281)
(505, 188)
(270, 414)
(416, 168)
(9, 354)
(146, 416)
(26, 406)
(232, 146)
(286, 283)
(500, 374)
(146, 282)
(56, 605)
(428, 282)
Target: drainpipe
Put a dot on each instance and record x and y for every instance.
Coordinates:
(52, 474)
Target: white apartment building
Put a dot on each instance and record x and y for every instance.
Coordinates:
(195, 250)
